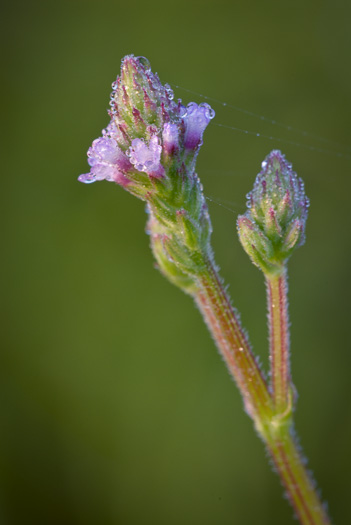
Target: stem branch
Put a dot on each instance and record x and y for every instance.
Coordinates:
(273, 425)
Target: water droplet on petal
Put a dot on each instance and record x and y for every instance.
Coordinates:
(144, 62)
(210, 113)
(86, 178)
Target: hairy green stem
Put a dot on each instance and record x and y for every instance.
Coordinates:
(232, 342)
(300, 486)
(274, 427)
(278, 322)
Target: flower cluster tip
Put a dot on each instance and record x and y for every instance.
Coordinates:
(149, 134)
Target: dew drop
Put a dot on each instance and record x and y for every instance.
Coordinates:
(169, 91)
(210, 113)
(144, 62)
(86, 178)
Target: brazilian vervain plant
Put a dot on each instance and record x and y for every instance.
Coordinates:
(150, 148)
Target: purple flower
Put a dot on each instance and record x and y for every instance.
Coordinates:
(196, 120)
(146, 158)
(107, 162)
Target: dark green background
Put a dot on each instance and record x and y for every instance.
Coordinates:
(115, 407)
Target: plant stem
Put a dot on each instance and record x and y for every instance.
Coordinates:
(300, 486)
(232, 342)
(279, 340)
(274, 427)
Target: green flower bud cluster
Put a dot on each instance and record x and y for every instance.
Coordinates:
(180, 228)
(274, 224)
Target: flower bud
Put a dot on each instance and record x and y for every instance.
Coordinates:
(255, 243)
(274, 224)
(140, 100)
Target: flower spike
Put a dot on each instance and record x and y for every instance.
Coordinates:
(150, 148)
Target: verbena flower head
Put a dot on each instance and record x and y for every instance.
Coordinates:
(275, 222)
(150, 148)
(147, 133)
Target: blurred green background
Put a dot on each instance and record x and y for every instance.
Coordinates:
(115, 406)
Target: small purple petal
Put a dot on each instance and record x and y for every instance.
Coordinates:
(146, 158)
(170, 138)
(106, 150)
(196, 120)
(103, 171)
